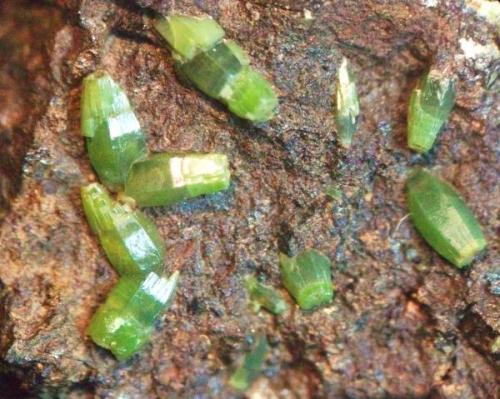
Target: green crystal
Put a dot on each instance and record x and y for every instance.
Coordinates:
(130, 240)
(167, 178)
(114, 137)
(250, 96)
(188, 36)
(211, 70)
(307, 277)
(124, 323)
(265, 296)
(444, 219)
(430, 105)
(347, 103)
(218, 68)
(251, 367)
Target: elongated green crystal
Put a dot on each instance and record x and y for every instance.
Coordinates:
(130, 240)
(430, 105)
(114, 137)
(167, 178)
(307, 277)
(264, 296)
(347, 112)
(123, 324)
(188, 36)
(443, 218)
(251, 366)
(218, 68)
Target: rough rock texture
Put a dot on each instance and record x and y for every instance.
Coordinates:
(404, 324)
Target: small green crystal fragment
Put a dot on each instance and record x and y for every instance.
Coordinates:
(430, 105)
(265, 296)
(211, 70)
(250, 96)
(167, 178)
(347, 112)
(123, 324)
(307, 277)
(188, 36)
(444, 219)
(114, 137)
(251, 367)
(130, 240)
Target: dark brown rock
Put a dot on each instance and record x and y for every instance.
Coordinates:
(404, 324)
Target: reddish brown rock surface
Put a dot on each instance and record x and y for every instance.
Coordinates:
(404, 324)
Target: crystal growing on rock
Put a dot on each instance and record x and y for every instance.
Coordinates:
(264, 296)
(347, 104)
(167, 178)
(114, 137)
(217, 67)
(251, 366)
(430, 105)
(444, 219)
(307, 277)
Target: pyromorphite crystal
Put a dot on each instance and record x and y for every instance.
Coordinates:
(167, 178)
(264, 296)
(251, 366)
(123, 324)
(130, 240)
(443, 218)
(218, 68)
(430, 105)
(307, 277)
(114, 138)
(189, 35)
(347, 104)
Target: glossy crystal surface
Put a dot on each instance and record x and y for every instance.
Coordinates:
(123, 324)
(187, 35)
(430, 105)
(443, 218)
(167, 178)
(347, 104)
(114, 137)
(307, 277)
(130, 239)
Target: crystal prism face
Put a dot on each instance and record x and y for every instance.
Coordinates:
(167, 178)
(431, 103)
(307, 277)
(130, 240)
(443, 219)
(114, 137)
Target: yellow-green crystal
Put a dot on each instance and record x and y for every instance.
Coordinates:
(347, 105)
(130, 239)
(114, 137)
(444, 219)
(430, 105)
(307, 277)
(167, 178)
(124, 323)
(265, 296)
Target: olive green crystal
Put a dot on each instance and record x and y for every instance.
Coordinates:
(114, 137)
(444, 219)
(124, 323)
(307, 277)
(219, 68)
(167, 178)
(251, 366)
(130, 240)
(347, 104)
(264, 296)
(430, 105)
